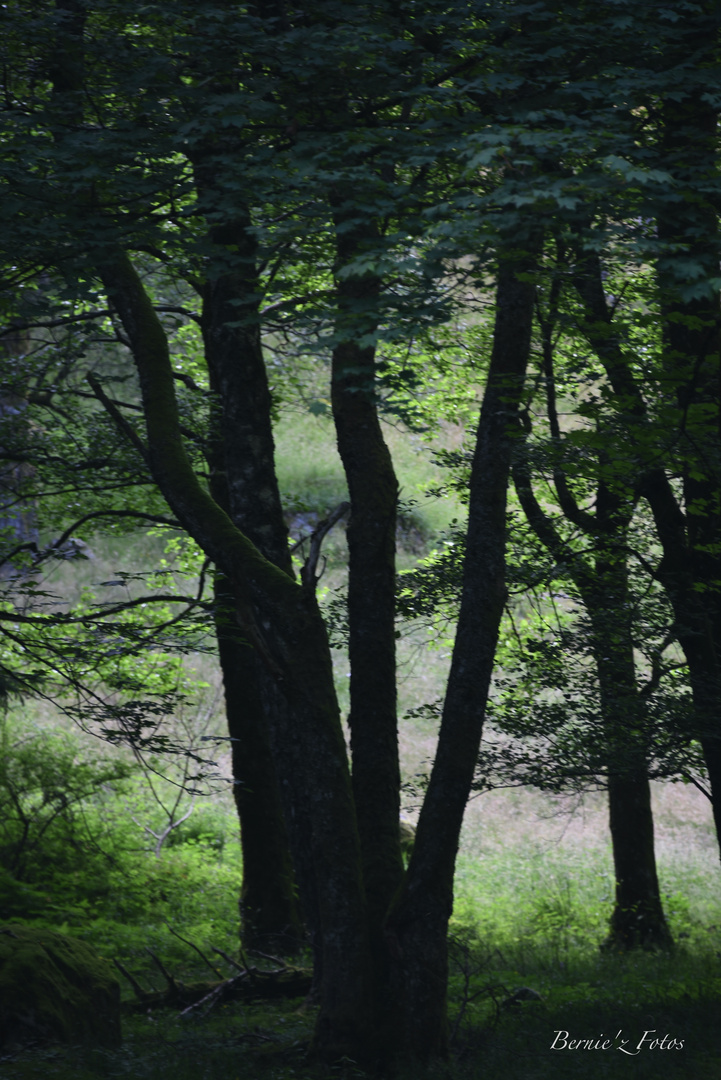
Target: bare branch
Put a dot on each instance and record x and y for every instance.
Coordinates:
(137, 988)
(120, 422)
(162, 969)
(308, 573)
(692, 780)
(200, 953)
(229, 960)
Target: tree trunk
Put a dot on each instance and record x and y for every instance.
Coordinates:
(690, 583)
(418, 926)
(281, 620)
(638, 918)
(243, 483)
(371, 604)
(692, 362)
(269, 915)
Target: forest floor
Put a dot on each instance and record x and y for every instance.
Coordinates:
(533, 898)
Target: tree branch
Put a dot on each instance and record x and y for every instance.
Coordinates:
(307, 574)
(230, 549)
(119, 420)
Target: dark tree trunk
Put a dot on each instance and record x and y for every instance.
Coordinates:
(371, 603)
(694, 618)
(269, 916)
(637, 918)
(418, 926)
(690, 582)
(692, 362)
(243, 482)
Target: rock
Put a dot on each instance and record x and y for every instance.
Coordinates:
(53, 987)
(408, 835)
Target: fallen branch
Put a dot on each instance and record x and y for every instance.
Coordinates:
(230, 960)
(172, 985)
(137, 988)
(199, 998)
(200, 953)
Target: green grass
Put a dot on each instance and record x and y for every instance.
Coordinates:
(590, 997)
(311, 479)
(533, 896)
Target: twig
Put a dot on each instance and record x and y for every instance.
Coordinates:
(163, 970)
(200, 953)
(702, 789)
(230, 961)
(137, 988)
(308, 575)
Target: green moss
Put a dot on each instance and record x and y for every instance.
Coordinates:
(54, 987)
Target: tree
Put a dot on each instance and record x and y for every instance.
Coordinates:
(241, 150)
(670, 410)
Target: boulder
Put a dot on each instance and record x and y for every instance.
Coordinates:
(53, 987)
(408, 836)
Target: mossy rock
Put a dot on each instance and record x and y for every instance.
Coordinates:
(408, 836)
(53, 987)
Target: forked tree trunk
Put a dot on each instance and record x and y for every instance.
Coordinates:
(281, 620)
(689, 533)
(602, 582)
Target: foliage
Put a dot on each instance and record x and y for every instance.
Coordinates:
(73, 856)
(46, 796)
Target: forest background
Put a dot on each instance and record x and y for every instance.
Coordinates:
(476, 247)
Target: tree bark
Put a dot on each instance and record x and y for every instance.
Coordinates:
(418, 925)
(638, 919)
(243, 482)
(689, 531)
(269, 915)
(371, 601)
(692, 361)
